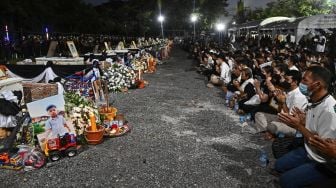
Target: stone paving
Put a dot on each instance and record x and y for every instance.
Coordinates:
(183, 136)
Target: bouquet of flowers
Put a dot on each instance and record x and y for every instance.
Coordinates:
(78, 109)
(119, 77)
(139, 64)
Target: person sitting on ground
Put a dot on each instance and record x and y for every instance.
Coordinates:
(287, 102)
(302, 65)
(230, 60)
(292, 62)
(278, 77)
(299, 167)
(328, 148)
(245, 89)
(263, 93)
(208, 66)
(230, 89)
(224, 71)
(206, 60)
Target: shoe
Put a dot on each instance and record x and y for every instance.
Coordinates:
(269, 136)
(273, 172)
(240, 112)
(210, 85)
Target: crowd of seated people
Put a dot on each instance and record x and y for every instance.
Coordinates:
(286, 91)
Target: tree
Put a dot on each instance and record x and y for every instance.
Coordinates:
(212, 11)
(293, 8)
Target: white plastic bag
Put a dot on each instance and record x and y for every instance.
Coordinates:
(254, 101)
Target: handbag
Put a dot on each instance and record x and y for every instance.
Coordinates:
(281, 146)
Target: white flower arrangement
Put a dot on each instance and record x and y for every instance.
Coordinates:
(78, 109)
(119, 77)
(139, 64)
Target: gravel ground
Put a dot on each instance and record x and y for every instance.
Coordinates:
(183, 136)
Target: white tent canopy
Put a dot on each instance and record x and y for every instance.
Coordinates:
(301, 26)
(315, 22)
(274, 19)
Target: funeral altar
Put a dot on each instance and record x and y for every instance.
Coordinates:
(73, 60)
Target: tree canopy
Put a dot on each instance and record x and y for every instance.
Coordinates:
(292, 8)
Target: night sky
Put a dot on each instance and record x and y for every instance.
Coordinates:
(231, 8)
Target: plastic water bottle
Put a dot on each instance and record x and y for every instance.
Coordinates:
(263, 159)
(248, 117)
(227, 103)
(26, 121)
(298, 134)
(236, 107)
(241, 118)
(281, 135)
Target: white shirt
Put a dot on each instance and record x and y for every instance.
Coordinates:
(230, 62)
(225, 73)
(210, 61)
(321, 47)
(293, 68)
(56, 125)
(321, 120)
(296, 99)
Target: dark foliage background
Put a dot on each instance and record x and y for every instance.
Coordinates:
(117, 17)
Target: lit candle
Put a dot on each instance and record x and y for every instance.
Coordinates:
(47, 33)
(7, 35)
(93, 122)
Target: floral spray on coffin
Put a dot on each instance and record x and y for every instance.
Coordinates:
(139, 66)
(119, 77)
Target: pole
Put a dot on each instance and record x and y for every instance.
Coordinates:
(194, 31)
(194, 20)
(162, 30)
(7, 34)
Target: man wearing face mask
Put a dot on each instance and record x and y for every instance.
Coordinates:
(286, 102)
(223, 70)
(301, 166)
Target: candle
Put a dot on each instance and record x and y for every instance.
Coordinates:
(93, 122)
(139, 74)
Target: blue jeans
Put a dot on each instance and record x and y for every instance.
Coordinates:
(297, 169)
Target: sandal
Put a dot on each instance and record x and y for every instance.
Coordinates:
(269, 136)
